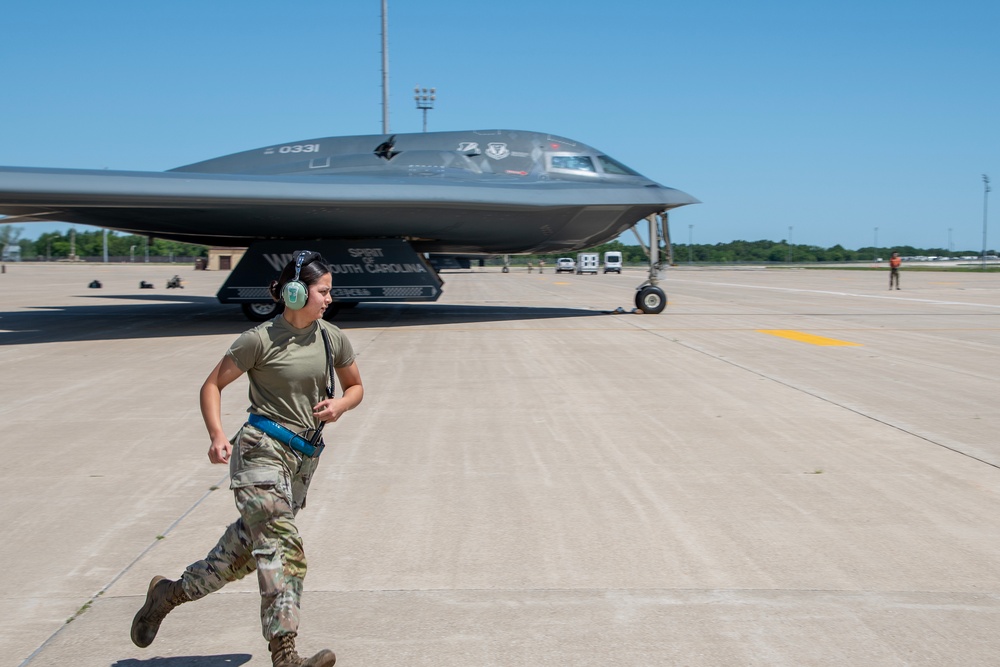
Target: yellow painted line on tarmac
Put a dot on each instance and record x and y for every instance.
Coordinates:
(807, 338)
(560, 283)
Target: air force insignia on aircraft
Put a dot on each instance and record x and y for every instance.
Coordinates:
(497, 151)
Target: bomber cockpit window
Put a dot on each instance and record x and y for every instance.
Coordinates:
(573, 163)
(614, 166)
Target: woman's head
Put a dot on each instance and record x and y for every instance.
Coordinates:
(311, 267)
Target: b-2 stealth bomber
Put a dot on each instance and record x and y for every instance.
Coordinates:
(376, 206)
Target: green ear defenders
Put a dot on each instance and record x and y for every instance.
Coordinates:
(295, 293)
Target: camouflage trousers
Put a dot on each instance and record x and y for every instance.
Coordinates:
(270, 482)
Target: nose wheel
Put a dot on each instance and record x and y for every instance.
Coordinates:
(651, 300)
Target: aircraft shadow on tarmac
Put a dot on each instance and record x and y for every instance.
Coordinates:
(165, 316)
(160, 298)
(230, 660)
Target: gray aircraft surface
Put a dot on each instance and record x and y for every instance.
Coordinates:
(376, 206)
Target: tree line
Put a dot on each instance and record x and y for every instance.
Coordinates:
(761, 251)
(59, 245)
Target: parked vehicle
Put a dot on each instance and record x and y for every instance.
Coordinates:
(613, 262)
(588, 262)
(565, 264)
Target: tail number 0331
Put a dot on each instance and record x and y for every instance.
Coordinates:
(297, 148)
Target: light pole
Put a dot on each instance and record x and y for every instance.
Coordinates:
(951, 248)
(986, 194)
(425, 101)
(385, 66)
(875, 249)
(690, 242)
(789, 260)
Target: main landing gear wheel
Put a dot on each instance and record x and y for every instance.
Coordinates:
(260, 312)
(651, 300)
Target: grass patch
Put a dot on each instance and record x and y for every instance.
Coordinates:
(84, 608)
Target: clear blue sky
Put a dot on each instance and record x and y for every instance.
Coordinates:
(833, 118)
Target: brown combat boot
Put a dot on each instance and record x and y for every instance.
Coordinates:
(283, 654)
(162, 596)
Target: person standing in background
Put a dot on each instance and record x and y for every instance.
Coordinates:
(894, 263)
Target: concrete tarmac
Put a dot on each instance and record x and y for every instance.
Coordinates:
(786, 467)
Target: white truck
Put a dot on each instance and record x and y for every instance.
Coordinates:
(613, 262)
(587, 262)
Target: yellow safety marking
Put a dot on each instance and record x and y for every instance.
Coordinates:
(560, 283)
(807, 338)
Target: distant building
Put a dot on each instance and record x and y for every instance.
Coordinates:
(224, 259)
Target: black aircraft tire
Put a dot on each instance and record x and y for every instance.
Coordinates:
(505, 270)
(261, 311)
(651, 300)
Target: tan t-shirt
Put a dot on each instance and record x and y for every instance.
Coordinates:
(287, 368)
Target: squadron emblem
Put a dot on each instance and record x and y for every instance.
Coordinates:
(497, 151)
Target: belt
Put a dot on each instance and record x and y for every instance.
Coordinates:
(285, 436)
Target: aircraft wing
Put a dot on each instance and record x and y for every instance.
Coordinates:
(236, 209)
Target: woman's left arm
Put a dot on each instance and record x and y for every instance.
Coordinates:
(331, 409)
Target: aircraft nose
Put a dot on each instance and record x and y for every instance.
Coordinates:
(673, 197)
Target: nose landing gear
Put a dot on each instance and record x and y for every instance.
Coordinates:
(649, 298)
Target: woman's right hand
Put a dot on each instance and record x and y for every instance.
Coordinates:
(220, 450)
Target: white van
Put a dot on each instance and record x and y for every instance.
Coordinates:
(587, 262)
(613, 261)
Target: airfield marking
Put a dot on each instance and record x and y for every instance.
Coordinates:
(808, 338)
(896, 297)
(447, 328)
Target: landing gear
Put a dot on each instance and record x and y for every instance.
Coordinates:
(649, 298)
